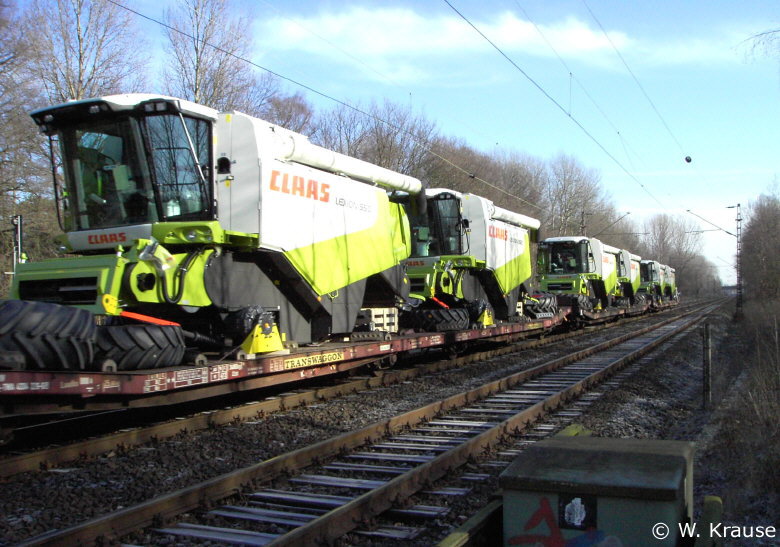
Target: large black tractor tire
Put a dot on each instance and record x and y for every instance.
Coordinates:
(542, 304)
(138, 347)
(584, 303)
(49, 336)
(440, 319)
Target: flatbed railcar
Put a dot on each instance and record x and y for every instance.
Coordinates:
(29, 391)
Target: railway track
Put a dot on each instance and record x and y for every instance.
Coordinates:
(134, 429)
(407, 454)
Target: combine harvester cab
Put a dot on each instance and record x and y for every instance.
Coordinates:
(652, 281)
(469, 262)
(194, 228)
(582, 272)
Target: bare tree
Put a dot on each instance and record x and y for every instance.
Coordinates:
(83, 48)
(292, 112)
(24, 173)
(573, 193)
(760, 257)
(671, 240)
(389, 135)
(766, 42)
(520, 181)
(8, 45)
(342, 129)
(698, 278)
(616, 228)
(398, 139)
(208, 44)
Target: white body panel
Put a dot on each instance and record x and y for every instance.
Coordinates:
(609, 258)
(289, 204)
(108, 238)
(631, 263)
(493, 240)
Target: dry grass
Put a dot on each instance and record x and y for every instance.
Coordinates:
(750, 428)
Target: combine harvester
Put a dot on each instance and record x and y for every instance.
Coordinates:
(658, 282)
(281, 236)
(470, 260)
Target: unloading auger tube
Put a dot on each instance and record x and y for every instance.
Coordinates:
(290, 146)
(517, 219)
(295, 147)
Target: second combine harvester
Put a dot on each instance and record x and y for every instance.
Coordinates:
(470, 261)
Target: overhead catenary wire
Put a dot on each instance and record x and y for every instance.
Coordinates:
(636, 80)
(555, 102)
(424, 144)
(357, 60)
(573, 77)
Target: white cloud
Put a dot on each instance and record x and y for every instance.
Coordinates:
(412, 45)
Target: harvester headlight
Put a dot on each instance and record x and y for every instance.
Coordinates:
(62, 244)
(158, 106)
(48, 118)
(94, 109)
(194, 234)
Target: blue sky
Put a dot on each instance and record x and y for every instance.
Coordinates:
(713, 98)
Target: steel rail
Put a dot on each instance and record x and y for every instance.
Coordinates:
(344, 519)
(52, 457)
(163, 508)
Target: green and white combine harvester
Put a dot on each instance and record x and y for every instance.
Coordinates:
(470, 262)
(588, 274)
(658, 281)
(188, 227)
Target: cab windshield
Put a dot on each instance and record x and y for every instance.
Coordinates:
(648, 273)
(564, 257)
(128, 170)
(438, 231)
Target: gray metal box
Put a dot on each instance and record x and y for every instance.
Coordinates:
(596, 489)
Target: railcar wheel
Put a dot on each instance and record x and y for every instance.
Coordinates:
(136, 347)
(49, 336)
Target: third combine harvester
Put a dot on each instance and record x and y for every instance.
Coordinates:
(592, 276)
